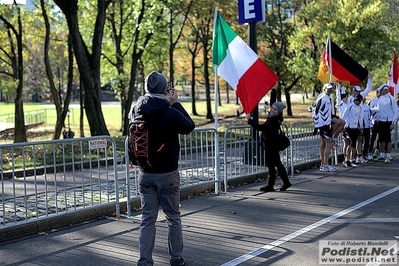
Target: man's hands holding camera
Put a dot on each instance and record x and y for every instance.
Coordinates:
(172, 95)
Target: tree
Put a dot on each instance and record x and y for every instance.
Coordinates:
(174, 14)
(138, 45)
(360, 28)
(88, 63)
(274, 47)
(194, 47)
(130, 27)
(12, 57)
(118, 22)
(61, 107)
(201, 21)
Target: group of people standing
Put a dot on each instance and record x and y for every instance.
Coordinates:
(365, 127)
(362, 125)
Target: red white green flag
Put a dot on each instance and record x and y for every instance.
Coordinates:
(240, 66)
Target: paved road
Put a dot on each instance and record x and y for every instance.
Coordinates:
(242, 227)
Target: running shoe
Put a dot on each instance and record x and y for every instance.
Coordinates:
(347, 163)
(329, 168)
(387, 159)
(354, 163)
(363, 160)
(380, 159)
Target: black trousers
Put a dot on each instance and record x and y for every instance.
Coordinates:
(274, 161)
(366, 141)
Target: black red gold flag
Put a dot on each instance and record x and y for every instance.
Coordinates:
(343, 67)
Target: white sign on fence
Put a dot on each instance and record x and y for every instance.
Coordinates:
(98, 144)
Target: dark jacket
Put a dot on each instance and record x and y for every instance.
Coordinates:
(167, 122)
(270, 129)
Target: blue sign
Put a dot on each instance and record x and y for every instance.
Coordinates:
(250, 11)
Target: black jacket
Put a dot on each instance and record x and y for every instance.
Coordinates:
(270, 129)
(168, 122)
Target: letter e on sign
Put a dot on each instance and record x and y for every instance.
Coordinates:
(250, 11)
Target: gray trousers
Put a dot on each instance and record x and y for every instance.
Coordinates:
(160, 190)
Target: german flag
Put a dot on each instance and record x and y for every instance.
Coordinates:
(343, 67)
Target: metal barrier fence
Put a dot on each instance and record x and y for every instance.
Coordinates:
(243, 155)
(47, 178)
(31, 117)
(198, 163)
(304, 145)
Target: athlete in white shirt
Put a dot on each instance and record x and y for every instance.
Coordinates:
(367, 125)
(321, 114)
(387, 117)
(356, 90)
(374, 147)
(354, 120)
(342, 107)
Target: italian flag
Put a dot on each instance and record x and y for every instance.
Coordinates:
(240, 66)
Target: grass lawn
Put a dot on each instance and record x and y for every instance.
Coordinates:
(112, 114)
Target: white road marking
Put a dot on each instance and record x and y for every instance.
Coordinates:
(366, 220)
(306, 229)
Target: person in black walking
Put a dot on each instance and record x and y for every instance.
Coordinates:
(270, 130)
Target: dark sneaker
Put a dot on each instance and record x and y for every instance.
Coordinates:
(354, 163)
(178, 263)
(347, 163)
(267, 189)
(285, 187)
(381, 159)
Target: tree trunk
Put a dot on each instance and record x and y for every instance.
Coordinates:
(193, 107)
(288, 95)
(19, 127)
(88, 64)
(288, 101)
(60, 107)
(207, 85)
(227, 92)
(81, 114)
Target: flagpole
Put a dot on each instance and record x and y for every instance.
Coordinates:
(395, 87)
(330, 57)
(217, 153)
(216, 74)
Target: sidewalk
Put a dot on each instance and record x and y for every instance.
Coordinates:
(242, 227)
